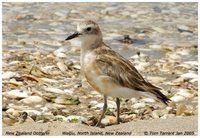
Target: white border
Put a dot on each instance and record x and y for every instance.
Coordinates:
(89, 1)
(99, 0)
(198, 66)
(1, 69)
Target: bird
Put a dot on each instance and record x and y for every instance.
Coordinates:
(108, 72)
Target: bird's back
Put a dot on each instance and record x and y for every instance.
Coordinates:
(108, 62)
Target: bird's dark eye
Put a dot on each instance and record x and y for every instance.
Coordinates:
(89, 29)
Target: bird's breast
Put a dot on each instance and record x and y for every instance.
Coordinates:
(91, 70)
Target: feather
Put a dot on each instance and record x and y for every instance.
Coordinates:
(123, 71)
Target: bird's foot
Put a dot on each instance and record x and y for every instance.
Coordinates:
(118, 121)
(100, 125)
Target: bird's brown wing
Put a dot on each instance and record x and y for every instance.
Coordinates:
(122, 70)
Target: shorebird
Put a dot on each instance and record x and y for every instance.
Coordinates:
(107, 71)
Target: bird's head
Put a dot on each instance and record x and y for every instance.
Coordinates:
(88, 32)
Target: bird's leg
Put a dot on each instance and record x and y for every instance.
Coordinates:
(104, 110)
(118, 109)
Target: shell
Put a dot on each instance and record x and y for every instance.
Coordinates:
(108, 120)
(189, 75)
(177, 98)
(180, 109)
(31, 100)
(139, 105)
(9, 74)
(75, 119)
(17, 94)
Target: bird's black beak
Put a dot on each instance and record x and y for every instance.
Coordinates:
(74, 35)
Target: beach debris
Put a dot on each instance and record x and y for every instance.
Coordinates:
(9, 74)
(108, 120)
(67, 100)
(139, 105)
(177, 98)
(41, 72)
(31, 100)
(16, 94)
(75, 119)
(180, 109)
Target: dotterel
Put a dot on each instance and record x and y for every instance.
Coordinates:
(107, 71)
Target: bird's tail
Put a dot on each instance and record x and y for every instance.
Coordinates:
(161, 97)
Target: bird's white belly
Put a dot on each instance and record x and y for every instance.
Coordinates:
(108, 86)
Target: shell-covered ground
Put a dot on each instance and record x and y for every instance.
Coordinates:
(41, 71)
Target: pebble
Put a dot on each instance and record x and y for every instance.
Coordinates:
(76, 45)
(14, 63)
(54, 90)
(108, 120)
(75, 119)
(193, 80)
(183, 28)
(168, 47)
(9, 74)
(156, 79)
(8, 121)
(77, 67)
(49, 80)
(111, 105)
(184, 92)
(184, 52)
(46, 68)
(194, 63)
(61, 13)
(67, 91)
(61, 55)
(159, 30)
(189, 75)
(31, 100)
(134, 100)
(10, 111)
(184, 45)
(108, 10)
(44, 109)
(55, 106)
(195, 100)
(16, 94)
(148, 100)
(155, 46)
(177, 81)
(159, 113)
(94, 93)
(156, 114)
(177, 98)
(62, 117)
(31, 112)
(139, 105)
(128, 118)
(62, 67)
(142, 66)
(37, 71)
(17, 107)
(93, 103)
(180, 109)
(16, 113)
(165, 116)
(173, 57)
(13, 81)
(60, 50)
(67, 100)
(186, 66)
